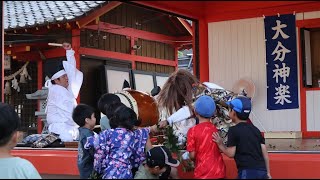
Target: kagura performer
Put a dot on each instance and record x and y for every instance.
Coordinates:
(176, 94)
(64, 87)
(176, 98)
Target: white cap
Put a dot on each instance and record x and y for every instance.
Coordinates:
(58, 74)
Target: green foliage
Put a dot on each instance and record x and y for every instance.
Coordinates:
(180, 54)
(171, 140)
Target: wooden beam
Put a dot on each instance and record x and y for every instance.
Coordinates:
(18, 49)
(35, 56)
(170, 28)
(29, 56)
(181, 45)
(186, 25)
(241, 10)
(184, 8)
(174, 21)
(54, 53)
(308, 23)
(21, 45)
(98, 12)
(125, 57)
(126, 31)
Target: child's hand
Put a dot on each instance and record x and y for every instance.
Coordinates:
(216, 138)
(154, 129)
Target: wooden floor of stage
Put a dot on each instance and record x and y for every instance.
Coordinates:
(273, 145)
(289, 158)
(293, 145)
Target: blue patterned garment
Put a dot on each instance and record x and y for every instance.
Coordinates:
(117, 151)
(33, 138)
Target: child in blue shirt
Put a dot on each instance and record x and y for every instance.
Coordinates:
(83, 115)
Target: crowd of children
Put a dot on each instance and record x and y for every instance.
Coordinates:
(122, 150)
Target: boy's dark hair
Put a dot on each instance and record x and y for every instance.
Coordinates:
(53, 82)
(9, 123)
(107, 99)
(110, 108)
(123, 117)
(242, 116)
(81, 112)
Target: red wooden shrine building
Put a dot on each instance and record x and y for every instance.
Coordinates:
(213, 20)
(101, 33)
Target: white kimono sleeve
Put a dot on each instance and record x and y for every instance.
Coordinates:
(75, 77)
(180, 115)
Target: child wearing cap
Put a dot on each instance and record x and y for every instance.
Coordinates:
(208, 160)
(245, 142)
(157, 161)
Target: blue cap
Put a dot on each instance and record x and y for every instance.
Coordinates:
(205, 106)
(241, 105)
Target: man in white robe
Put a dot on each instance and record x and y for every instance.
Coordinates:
(64, 87)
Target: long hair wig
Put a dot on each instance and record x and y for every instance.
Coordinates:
(177, 91)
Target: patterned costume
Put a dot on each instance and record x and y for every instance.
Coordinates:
(117, 151)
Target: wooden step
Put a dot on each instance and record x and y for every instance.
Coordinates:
(71, 144)
(283, 135)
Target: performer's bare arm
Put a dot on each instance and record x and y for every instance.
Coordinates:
(148, 144)
(266, 158)
(192, 155)
(69, 53)
(66, 46)
(228, 151)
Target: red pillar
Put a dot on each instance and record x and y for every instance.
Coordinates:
(40, 84)
(194, 49)
(75, 43)
(203, 51)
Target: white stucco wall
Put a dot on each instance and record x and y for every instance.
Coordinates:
(236, 50)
